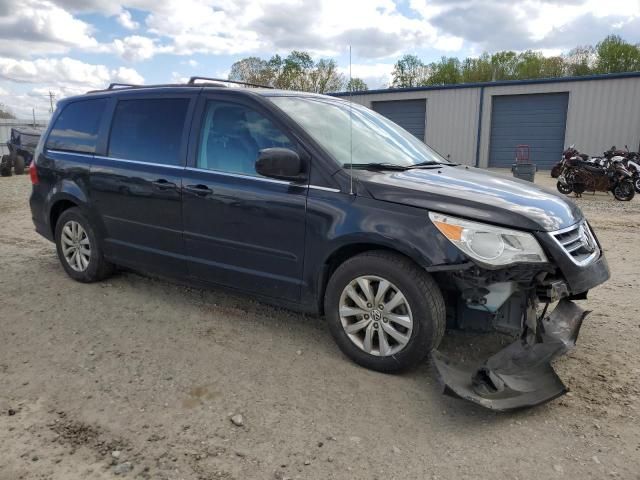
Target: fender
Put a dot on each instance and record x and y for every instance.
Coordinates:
(333, 236)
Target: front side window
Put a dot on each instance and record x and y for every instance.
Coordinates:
(353, 133)
(232, 136)
(76, 128)
(149, 130)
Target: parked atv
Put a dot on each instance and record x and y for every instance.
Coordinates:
(22, 146)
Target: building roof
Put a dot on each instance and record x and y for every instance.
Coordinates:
(606, 76)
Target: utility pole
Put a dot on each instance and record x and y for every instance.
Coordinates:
(51, 95)
(33, 110)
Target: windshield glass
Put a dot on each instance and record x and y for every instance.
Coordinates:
(370, 137)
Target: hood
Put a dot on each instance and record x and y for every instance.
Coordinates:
(474, 194)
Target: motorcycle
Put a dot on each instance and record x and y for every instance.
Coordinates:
(579, 174)
(632, 162)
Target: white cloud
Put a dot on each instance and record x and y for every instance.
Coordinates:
(136, 48)
(65, 71)
(375, 75)
(124, 18)
(33, 27)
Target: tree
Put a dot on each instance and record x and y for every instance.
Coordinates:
(503, 65)
(296, 71)
(477, 69)
(444, 72)
(616, 55)
(580, 61)
(5, 112)
(356, 85)
(252, 70)
(409, 71)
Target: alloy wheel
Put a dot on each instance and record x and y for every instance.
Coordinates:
(376, 315)
(76, 247)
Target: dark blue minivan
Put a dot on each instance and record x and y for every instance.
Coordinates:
(322, 206)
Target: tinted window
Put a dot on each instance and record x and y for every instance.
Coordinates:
(233, 135)
(149, 130)
(76, 128)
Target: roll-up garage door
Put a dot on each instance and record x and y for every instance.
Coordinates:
(537, 120)
(409, 114)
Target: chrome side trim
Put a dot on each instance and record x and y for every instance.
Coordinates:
(325, 189)
(138, 162)
(240, 175)
(62, 152)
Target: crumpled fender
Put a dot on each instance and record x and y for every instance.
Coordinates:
(520, 375)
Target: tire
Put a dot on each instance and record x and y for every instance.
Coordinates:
(563, 188)
(96, 268)
(423, 302)
(5, 166)
(636, 184)
(18, 165)
(624, 191)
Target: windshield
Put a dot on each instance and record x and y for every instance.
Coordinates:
(370, 137)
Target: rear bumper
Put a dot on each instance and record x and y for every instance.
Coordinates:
(38, 214)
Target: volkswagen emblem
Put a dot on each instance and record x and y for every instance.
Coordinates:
(586, 240)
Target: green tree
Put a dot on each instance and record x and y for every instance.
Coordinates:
(409, 71)
(252, 70)
(477, 69)
(503, 65)
(356, 85)
(444, 72)
(615, 55)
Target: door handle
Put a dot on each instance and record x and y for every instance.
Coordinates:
(201, 190)
(163, 184)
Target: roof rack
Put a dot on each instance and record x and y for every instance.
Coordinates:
(193, 80)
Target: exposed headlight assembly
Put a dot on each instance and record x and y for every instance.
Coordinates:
(487, 244)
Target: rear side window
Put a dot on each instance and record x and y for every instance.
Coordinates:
(76, 128)
(149, 130)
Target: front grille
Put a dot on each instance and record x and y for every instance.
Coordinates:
(578, 243)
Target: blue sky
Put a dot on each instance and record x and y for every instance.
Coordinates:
(70, 46)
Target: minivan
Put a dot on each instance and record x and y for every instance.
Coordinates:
(323, 206)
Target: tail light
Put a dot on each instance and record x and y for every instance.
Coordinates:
(33, 173)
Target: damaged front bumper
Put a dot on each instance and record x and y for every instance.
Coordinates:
(520, 375)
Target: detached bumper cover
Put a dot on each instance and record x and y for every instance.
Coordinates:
(520, 375)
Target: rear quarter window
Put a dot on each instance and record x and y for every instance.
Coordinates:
(76, 128)
(149, 130)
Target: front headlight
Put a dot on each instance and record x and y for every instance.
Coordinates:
(489, 245)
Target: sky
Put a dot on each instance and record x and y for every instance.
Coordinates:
(67, 47)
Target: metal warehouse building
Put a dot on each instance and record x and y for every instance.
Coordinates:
(482, 123)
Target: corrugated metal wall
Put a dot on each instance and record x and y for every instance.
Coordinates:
(5, 131)
(601, 113)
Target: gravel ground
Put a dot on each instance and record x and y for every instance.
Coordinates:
(142, 378)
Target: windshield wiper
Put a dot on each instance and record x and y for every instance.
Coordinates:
(432, 163)
(376, 166)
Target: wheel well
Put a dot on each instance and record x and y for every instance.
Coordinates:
(56, 210)
(338, 257)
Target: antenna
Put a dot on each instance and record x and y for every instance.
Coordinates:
(350, 128)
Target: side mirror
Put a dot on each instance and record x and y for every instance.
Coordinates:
(280, 163)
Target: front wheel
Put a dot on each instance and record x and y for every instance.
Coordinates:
(384, 312)
(636, 184)
(624, 190)
(564, 188)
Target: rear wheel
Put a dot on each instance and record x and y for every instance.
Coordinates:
(78, 248)
(18, 165)
(384, 312)
(636, 184)
(5, 166)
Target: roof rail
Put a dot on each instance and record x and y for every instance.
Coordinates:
(124, 85)
(193, 80)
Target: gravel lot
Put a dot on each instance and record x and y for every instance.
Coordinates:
(139, 377)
